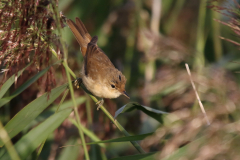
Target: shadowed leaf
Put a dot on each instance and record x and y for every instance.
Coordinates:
(5, 100)
(46, 114)
(146, 156)
(31, 111)
(70, 152)
(10, 81)
(124, 139)
(28, 143)
(154, 113)
(87, 132)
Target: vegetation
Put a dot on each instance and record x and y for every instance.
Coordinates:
(43, 116)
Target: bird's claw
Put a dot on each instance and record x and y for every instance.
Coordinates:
(99, 103)
(78, 82)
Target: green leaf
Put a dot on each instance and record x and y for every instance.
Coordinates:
(96, 152)
(10, 81)
(154, 113)
(70, 153)
(28, 143)
(124, 139)
(46, 114)
(86, 131)
(146, 156)
(31, 111)
(3, 101)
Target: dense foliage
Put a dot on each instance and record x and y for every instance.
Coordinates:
(150, 42)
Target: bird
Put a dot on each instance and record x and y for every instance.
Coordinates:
(98, 74)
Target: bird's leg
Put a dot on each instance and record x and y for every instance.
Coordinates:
(77, 82)
(99, 103)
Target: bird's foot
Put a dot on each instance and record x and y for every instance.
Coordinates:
(99, 103)
(78, 82)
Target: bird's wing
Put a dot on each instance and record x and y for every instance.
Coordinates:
(96, 61)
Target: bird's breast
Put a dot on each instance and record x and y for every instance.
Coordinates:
(99, 89)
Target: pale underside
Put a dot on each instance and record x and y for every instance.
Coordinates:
(99, 75)
(99, 87)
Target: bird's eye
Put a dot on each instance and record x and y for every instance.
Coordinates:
(119, 77)
(112, 86)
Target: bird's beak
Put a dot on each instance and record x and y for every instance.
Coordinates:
(125, 94)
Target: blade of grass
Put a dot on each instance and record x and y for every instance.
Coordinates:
(70, 152)
(63, 98)
(200, 59)
(154, 113)
(89, 115)
(46, 114)
(88, 133)
(29, 142)
(118, 125)
(41, 147)
(95, 152)
(216, 33)
(124, 139)
(10, 81)
(31, 111)
(146, 156)
(6, 140)
(5, 100)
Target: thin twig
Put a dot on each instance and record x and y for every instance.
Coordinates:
(156, 14)
(199, 101)
(229, 40)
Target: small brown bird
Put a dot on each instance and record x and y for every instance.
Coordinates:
(98, 73)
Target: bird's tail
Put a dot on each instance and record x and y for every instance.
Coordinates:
(80, 33)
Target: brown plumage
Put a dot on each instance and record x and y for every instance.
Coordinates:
(80, 33)
(99, 75)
